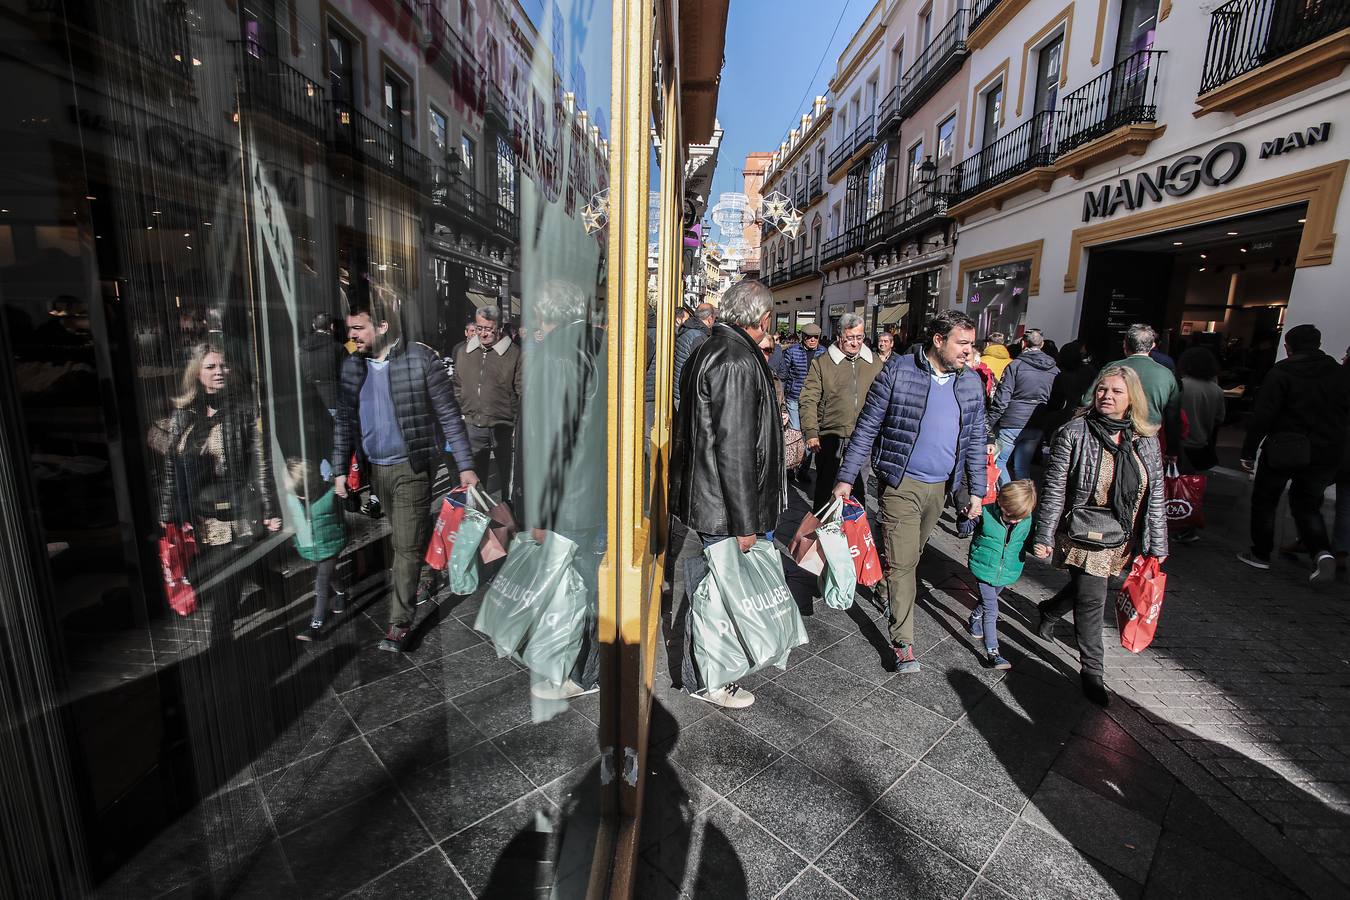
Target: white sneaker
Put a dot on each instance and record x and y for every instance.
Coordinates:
(1325, 571)
(566, 691)
(733, 696)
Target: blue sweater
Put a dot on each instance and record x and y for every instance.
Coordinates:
(888, 426)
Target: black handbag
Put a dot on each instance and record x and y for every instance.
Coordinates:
(1287, 450)
(1095, 527)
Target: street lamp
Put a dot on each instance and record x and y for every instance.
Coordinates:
(927, 170)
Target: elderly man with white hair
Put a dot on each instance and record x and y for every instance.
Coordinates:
(727, 477)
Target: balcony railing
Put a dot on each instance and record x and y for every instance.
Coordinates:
(980, 10)
(1126, 94)
(153, 35)
(364, 138)
(1026, 147)
(916, 209)
(803, 267)
(445, 50)
(450, 191)
(1246, 34)
(799, 198)
(859, 139)
(938, 61)
(814, 188)
(272, 86)
(850, 241)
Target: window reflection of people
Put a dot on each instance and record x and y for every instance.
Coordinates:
(561, 466)
(487, 385)
(392, 397)
(217, 477)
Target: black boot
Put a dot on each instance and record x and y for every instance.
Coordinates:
(1095, 689)
(1045, 628)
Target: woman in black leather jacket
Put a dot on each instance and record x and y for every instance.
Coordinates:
(217, 477)
(1107, 457)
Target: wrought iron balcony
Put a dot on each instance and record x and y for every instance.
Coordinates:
(804, 267)
(151, 36)
(1246, 34)
(850, 241)
(1126, 94)
(799, 198)
(367, 140)
(445, 50)
(938, 61)
(449, 191)
(924, 204)
(815, 188)
(1028, 146)
(980, 10)
(861, 137)
(269, 85)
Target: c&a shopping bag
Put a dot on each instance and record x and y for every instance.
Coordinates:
(991, 473)
(1139, 603)
(1185, 499)
(522, 589)
(755, 594)
(448, 521)
(176, 548)
(861, 546)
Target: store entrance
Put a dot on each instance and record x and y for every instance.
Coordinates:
(1223, 285)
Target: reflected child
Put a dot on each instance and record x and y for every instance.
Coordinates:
(320, 533)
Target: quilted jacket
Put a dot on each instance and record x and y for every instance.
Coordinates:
(692, 333)
(796, 361)
(888, 426)
(1071, 477)
(1023, 389)
(423, 403)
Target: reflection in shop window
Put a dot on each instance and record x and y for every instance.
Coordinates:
(506, 175)
(466, 155)
(439, 135)
(996, 297)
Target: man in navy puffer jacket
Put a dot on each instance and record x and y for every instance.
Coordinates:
(923, 426)
(796, 360)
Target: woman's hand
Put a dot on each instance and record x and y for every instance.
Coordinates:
(1042, 551)
(340, 486)
(272, 524)
(1160, 559)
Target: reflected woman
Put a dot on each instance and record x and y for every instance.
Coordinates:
(217, 477)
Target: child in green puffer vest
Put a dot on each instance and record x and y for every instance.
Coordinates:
(1002, 540)
(315, 513)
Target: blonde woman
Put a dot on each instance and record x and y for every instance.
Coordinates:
(1102, 501)
(216, 474)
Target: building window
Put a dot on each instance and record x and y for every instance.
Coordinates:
(876, 182)
(913, 164)
(395, 93)
(341, 77)
(1047, 75)
(946, 145)
(436, 127)
(467, 156)
(506, 174)
(993, 105)
(996, 297)
(898, 60)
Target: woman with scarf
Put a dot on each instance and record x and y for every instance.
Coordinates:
(1103, 501)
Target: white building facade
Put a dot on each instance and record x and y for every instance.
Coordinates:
(1179, 164)
(790, 263)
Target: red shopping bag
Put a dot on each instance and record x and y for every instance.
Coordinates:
(448, 521)
(991, 473)
(861, 546)
(176, 548)
(1185, 499)
(1139, 603)
(354, 474)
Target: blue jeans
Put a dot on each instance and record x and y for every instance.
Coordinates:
(794, 415)
(987, 612)
(1005, 442)
(1016, 452)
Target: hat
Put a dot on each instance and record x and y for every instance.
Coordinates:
(810, 330)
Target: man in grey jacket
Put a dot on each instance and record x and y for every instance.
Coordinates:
(487, 386)
(1023, 391)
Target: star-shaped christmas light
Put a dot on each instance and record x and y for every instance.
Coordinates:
(595, 215)
(790, 224)
(775, 206)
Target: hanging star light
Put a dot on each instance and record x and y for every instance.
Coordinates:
(595, 215)
(775, 206)
(790, 224)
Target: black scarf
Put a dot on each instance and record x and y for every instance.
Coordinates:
(1125, 486)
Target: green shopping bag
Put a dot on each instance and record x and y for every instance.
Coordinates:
(717, 648)
(841, 578)
(555, 642)
(521, 590)
(463, 565)
(755, 594)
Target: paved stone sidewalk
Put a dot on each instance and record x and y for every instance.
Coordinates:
(1220, 777)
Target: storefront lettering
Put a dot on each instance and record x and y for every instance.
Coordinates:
(1297, 140)
(1220, 165)
(209, 161)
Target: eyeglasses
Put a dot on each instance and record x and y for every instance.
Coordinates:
(485, 329)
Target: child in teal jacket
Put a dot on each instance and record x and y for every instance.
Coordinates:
(320, 533)
(1003, 539)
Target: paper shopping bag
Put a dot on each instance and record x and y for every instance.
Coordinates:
(501, 526)
(805, 548)
(1139, 603)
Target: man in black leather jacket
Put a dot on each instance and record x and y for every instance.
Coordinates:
(393, 397)
(727, 477)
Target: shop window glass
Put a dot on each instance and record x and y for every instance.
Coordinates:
(230, 273)
(996, 297)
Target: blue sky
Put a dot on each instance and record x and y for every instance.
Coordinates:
(772, 48)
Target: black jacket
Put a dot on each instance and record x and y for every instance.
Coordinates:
(692, 333)
(1071, 481)
(727, 474)
(320, 366)
(1023, 389)
(423, 403)
(192, 489)
(1308, 393)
